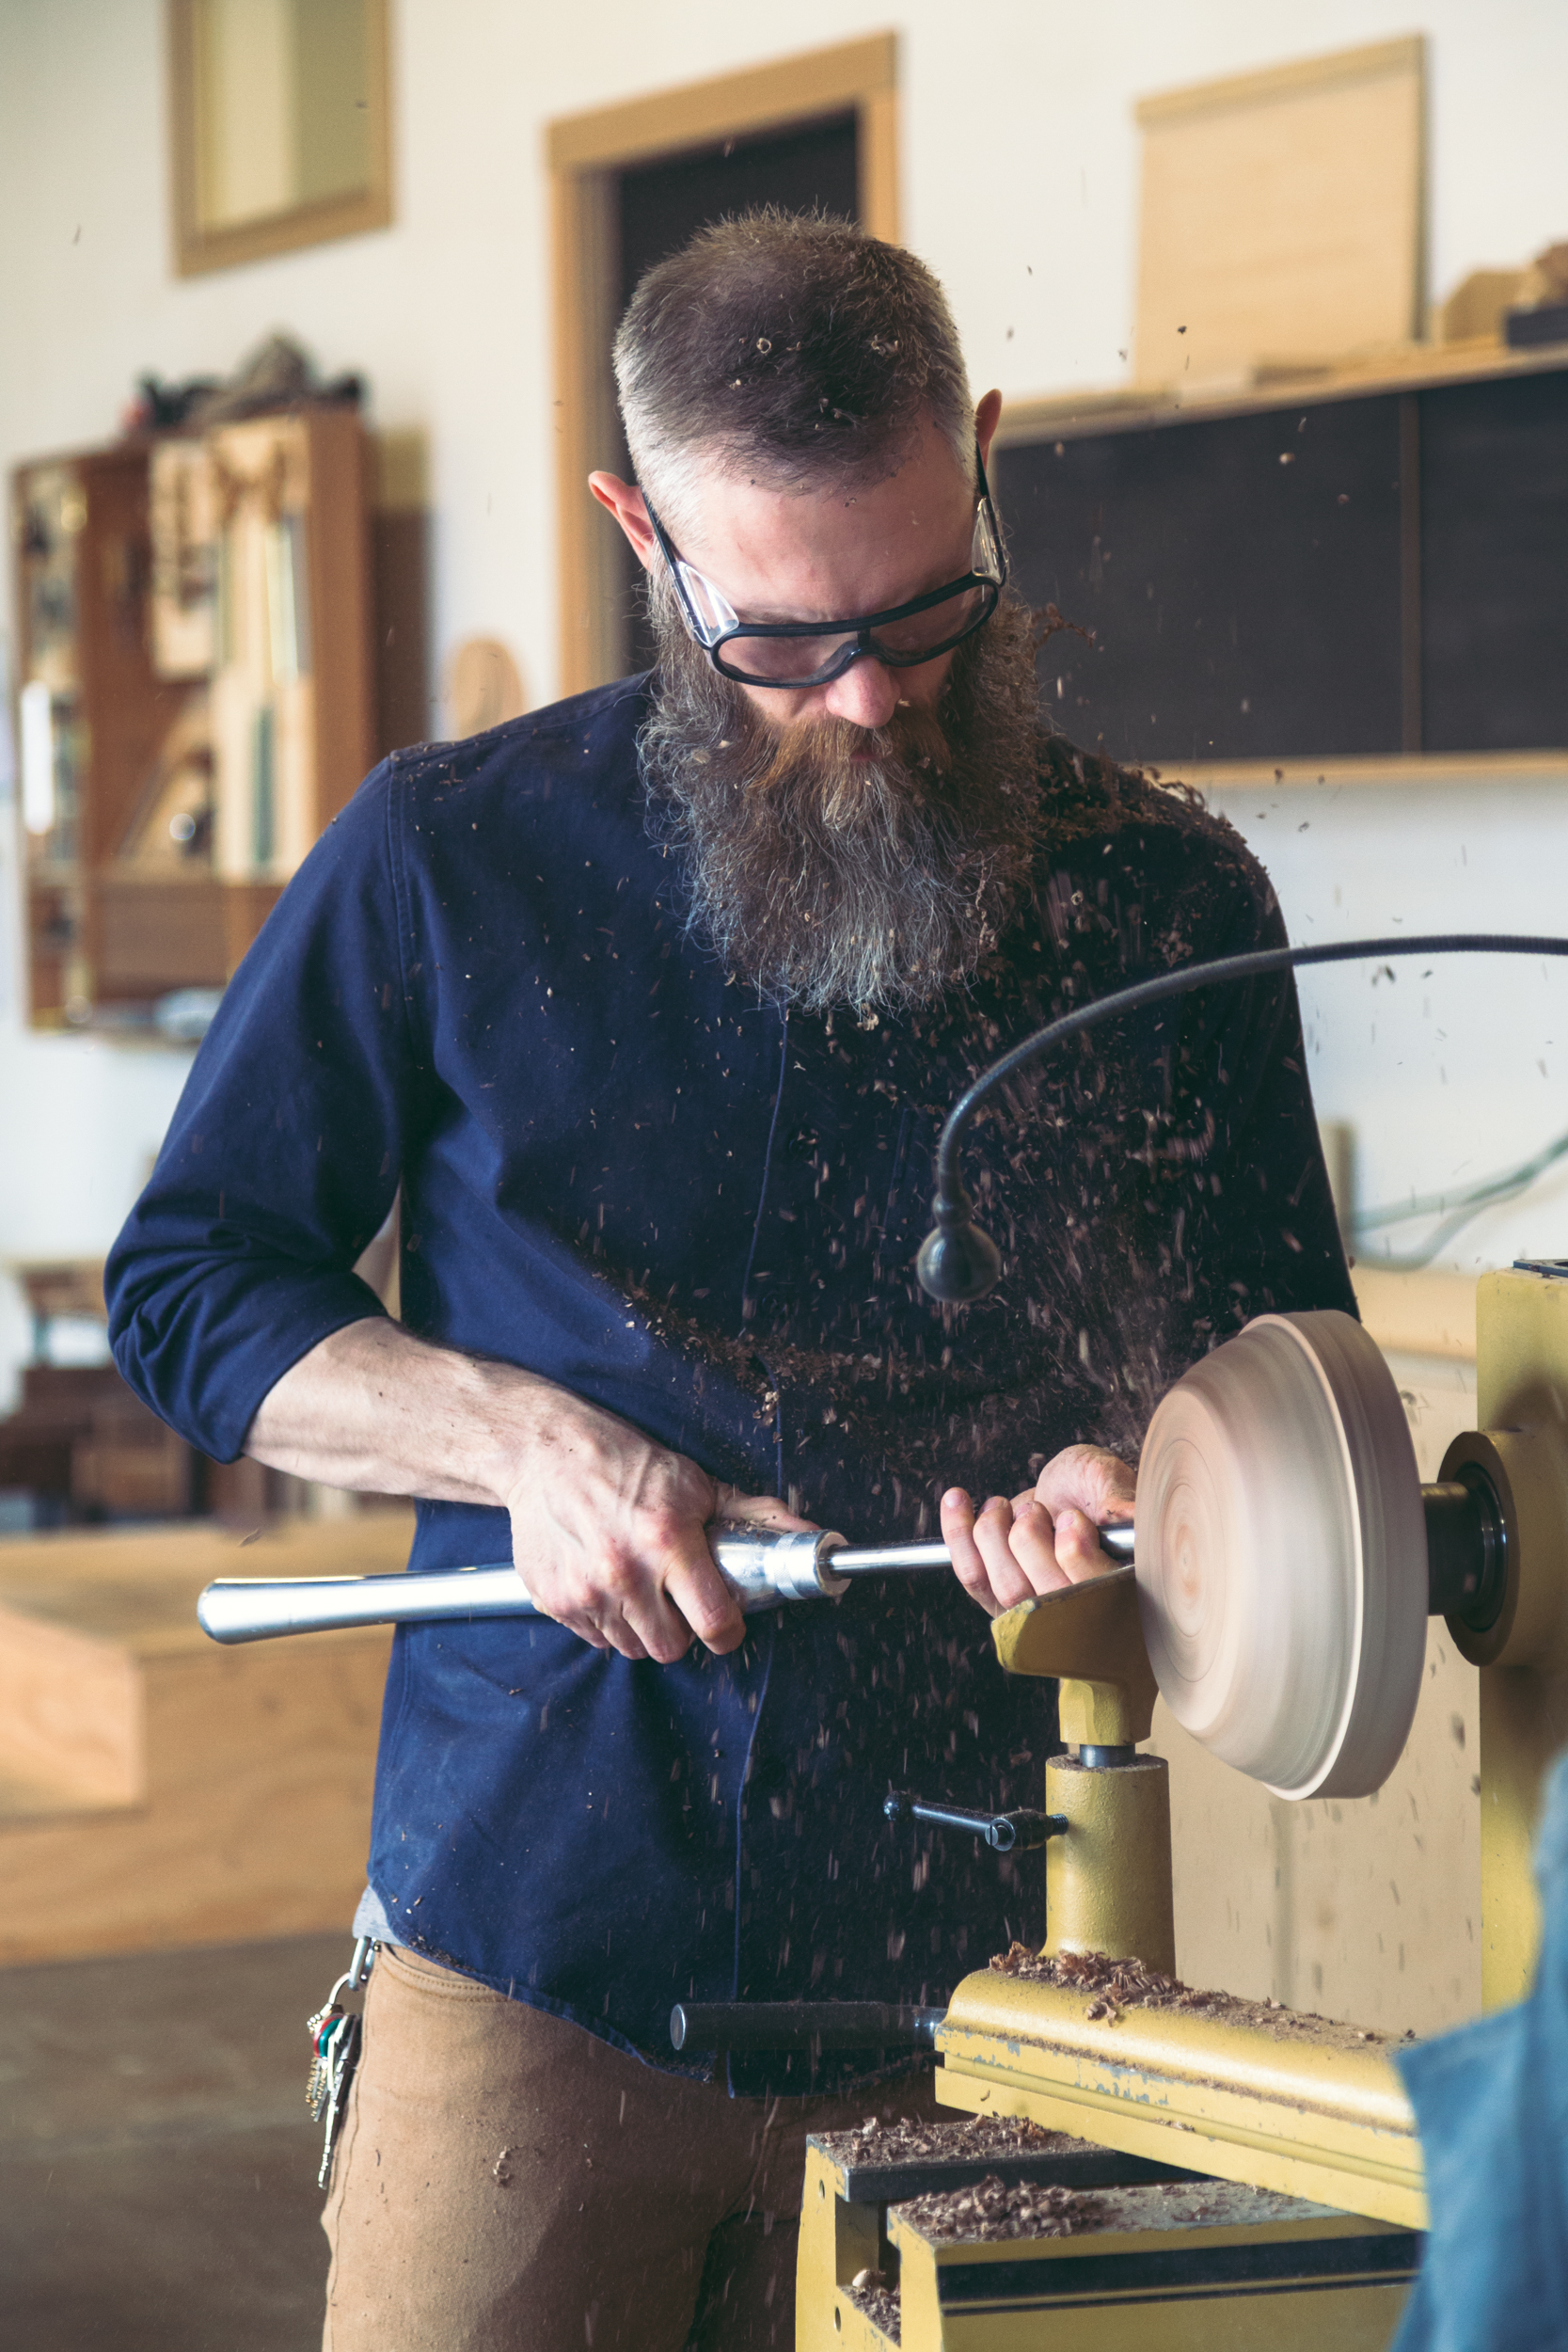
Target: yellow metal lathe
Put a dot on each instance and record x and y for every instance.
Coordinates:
(1222, 2167)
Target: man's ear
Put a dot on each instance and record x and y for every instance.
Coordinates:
(987, 418)
(624, 501)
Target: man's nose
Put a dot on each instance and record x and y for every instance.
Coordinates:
(866, 694)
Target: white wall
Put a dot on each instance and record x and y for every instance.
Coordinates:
(1457, 1066)
(1019, 162)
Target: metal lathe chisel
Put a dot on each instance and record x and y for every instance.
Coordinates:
(762, 1567)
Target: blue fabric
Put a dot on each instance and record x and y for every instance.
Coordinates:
(1492, 2106)
(623, 1173)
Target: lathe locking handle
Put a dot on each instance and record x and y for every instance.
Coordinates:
(1005, 1833)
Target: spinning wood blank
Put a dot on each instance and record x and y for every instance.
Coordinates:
(1282, 1557)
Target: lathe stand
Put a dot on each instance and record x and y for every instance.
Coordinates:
(1148, 2258)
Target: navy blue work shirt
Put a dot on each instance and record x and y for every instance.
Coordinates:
(623, 1171)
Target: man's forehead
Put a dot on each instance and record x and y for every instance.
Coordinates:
(915, 509)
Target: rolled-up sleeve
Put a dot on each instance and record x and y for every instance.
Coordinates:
(283, 1156)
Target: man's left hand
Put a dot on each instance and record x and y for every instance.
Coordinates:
(1044, 1539)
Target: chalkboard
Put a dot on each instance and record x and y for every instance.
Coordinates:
(1494, 468)
(1240, 576)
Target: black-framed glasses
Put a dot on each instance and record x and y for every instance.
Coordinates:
(813, 653)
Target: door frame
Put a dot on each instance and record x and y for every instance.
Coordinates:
(584, 154)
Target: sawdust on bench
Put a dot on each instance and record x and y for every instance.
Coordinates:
(992, 2209)
(1119, 1985)
(900, 2140)
(878, 2299)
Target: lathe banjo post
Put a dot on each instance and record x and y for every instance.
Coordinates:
(1108, 1876)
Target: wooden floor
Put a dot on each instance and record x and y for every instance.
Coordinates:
(157, 2166)
(156, 1789)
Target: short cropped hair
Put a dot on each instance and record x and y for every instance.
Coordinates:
(790, 346)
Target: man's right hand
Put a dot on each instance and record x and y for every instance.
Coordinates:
(609, 1533)
(608, 1530)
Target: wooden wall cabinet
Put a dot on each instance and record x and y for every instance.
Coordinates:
(196, 696)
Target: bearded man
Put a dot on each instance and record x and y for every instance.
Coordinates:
(653, 1003)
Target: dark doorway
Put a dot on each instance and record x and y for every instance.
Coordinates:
(661, 205)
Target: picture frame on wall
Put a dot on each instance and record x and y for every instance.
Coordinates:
(279, 126)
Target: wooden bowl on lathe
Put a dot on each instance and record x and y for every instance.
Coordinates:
(1282, 1557)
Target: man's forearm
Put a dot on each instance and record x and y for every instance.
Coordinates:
(374, 1408)
(612, 1524)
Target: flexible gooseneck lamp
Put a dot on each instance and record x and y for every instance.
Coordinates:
(959, 1261)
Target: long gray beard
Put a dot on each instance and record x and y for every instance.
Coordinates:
(822, 879)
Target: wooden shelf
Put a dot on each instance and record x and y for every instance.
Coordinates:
(152, 933)
(1396, 769)
(1415, 367)
(241, 561)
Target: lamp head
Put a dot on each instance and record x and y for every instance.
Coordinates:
(958, 1261)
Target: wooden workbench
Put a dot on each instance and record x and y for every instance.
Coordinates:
(156, 1789)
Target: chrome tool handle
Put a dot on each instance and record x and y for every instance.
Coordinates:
(257, 1608)
(761, 1566)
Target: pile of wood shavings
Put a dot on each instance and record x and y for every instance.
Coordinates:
(877, 2297)
(1117, 1985)
(993, 2210)
(905, 2140)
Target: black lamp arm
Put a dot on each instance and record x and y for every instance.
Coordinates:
(958, 1259)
